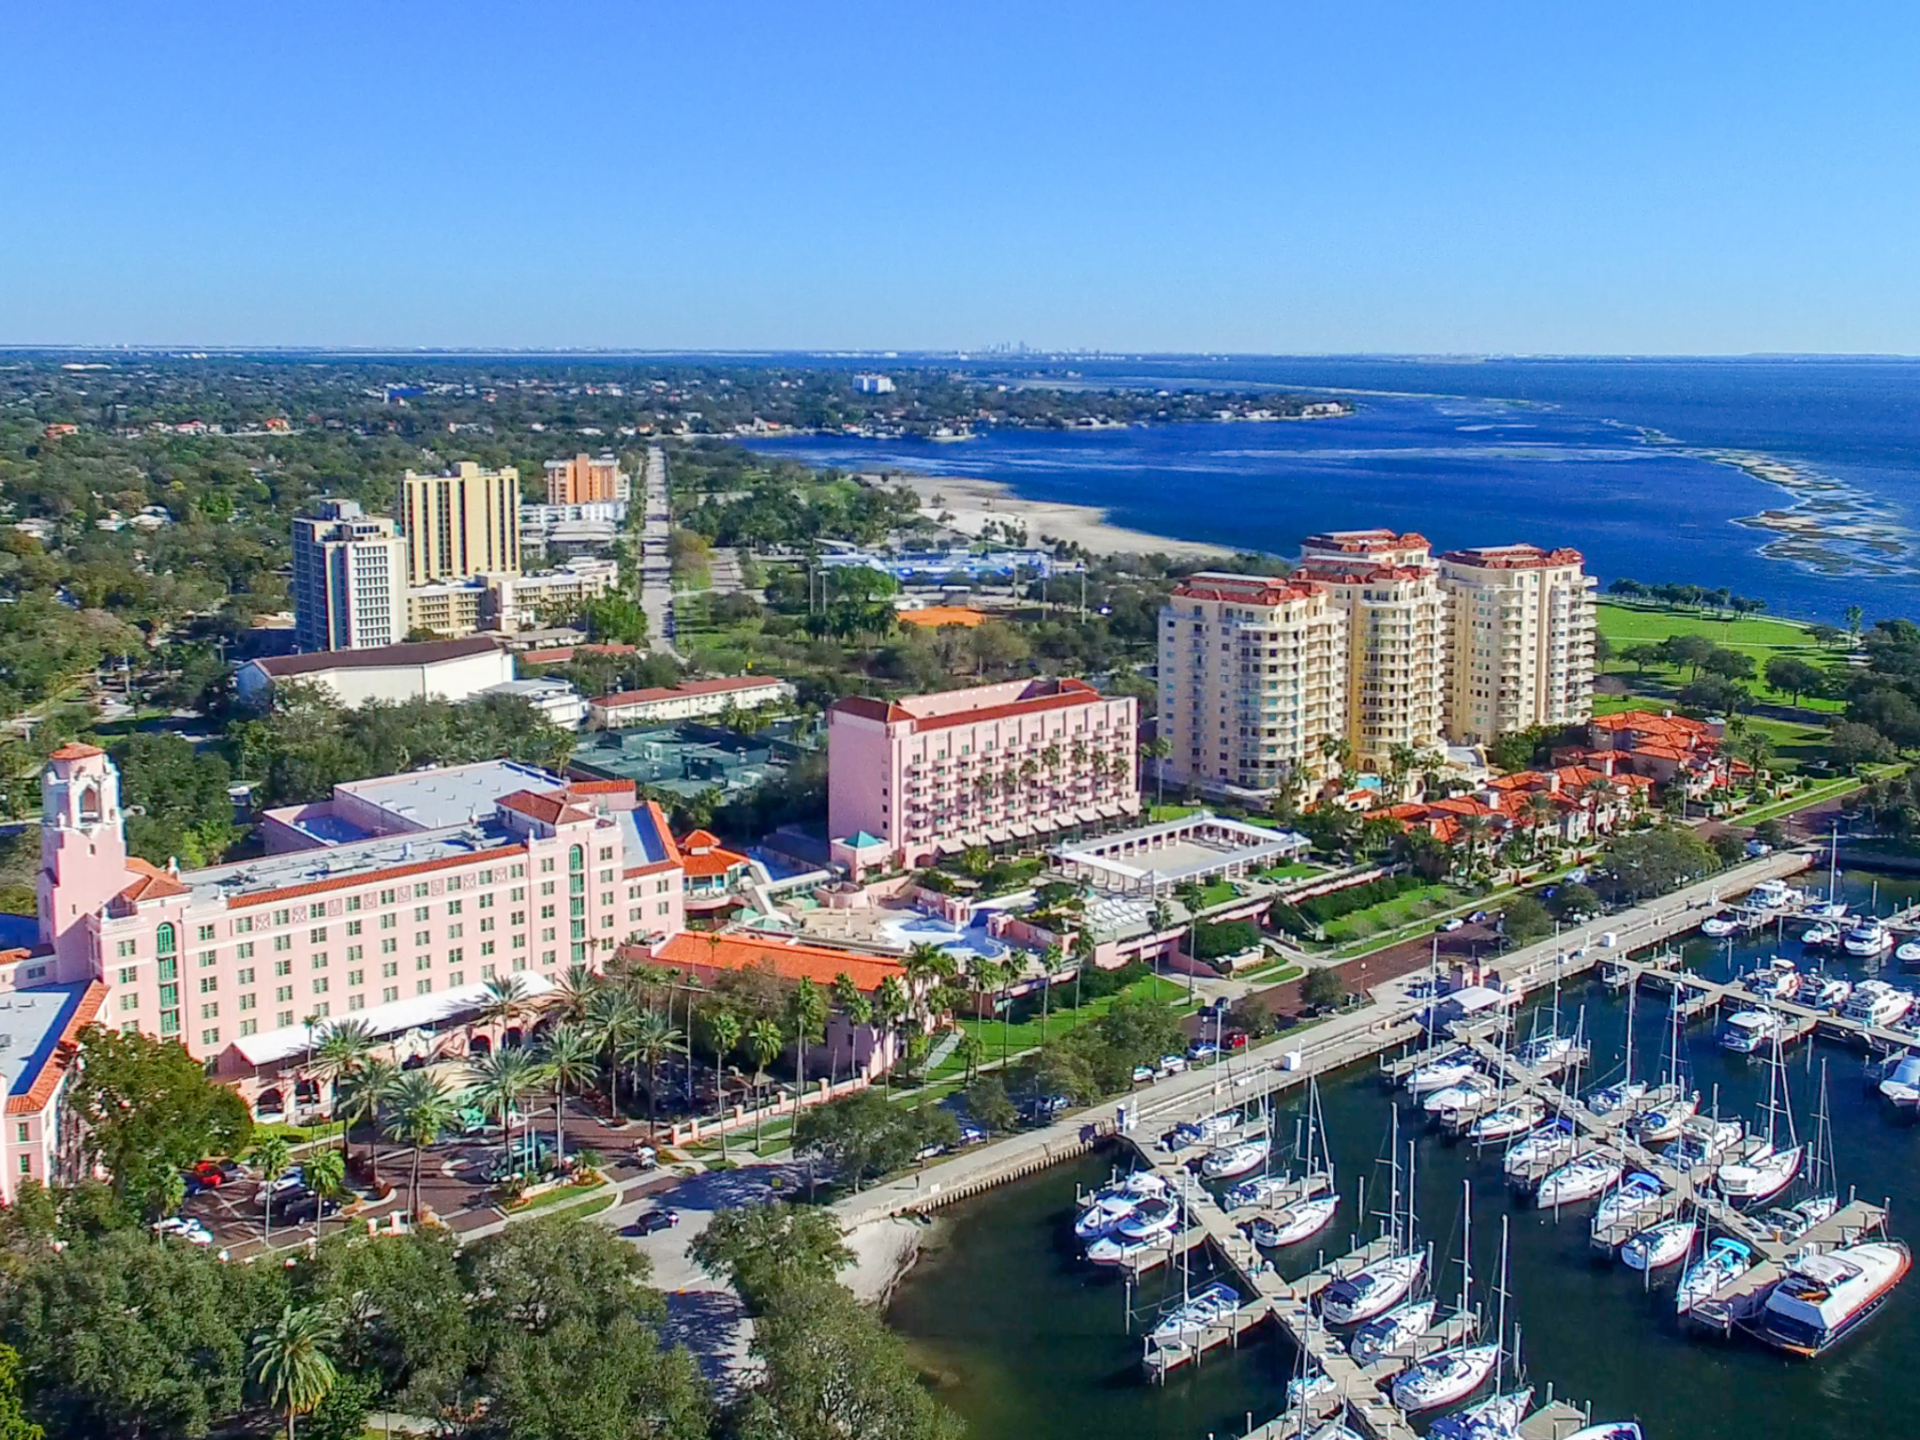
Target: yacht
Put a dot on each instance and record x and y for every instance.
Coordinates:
(1496, 1418)
(1868, 940)
(1299, 1221)
(1821, 991)
(1373, 1291)
(1201, 1132)
(1578, 1180)
(1774, 980)
(1609, 1430)
(1901, 1085)
(1394, 1331)
(1639, 1192)
(1114, 1203)
(1657, 1126)
(1308, 1388)
(1610, 1098)
(1147, 1227)
(1749, 1030)
(1194, 1317)
(1660, 1246)
(1788, 1223)
(1826, 1297)
(1908, 954)
(1704, 1140)
(1726, 1260)
(1470, 1094)
(1456, 1372)
(1821, 934)
(1547, 1144)
(1875, 1002)
(1231, 1160)
(1509, 1120)
(1260, 1190)
(1548, 1053)
(1439, 1074)
(1774, 895)
(1718, 927)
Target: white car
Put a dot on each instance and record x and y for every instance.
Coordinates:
(1452, 925)
(1172, 1064)
(179, 1226)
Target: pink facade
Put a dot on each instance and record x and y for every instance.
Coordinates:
(245, 964)
(935, 774)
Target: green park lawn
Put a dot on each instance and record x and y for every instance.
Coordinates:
(1390, 914)
(1626, 626)
(1025, 1034)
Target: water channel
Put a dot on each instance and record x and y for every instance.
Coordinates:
(1027, 1340)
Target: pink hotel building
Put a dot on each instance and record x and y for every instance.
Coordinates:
(392, 903)
(930, 775)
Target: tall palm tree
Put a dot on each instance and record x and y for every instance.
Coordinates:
(723, 1033)
(890, 1006)
(764, 1043)
(1542, 812)
(325, 1173)
(844, 994)
(418, 1110)
(611, 1019)
(288, 1361)
(1161, 749)
(343, 1049)
(1592, 794)
(570, 1059)
(271, 1157)
(508, 1002)
(366, 1089)
(568, 999)
(650, 1040)
(807, 1016)
(498, 1081)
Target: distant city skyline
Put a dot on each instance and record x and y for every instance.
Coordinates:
(1455, 180)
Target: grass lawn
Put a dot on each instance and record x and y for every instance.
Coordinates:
(1217, 893)
(1298, 870)
(1628, 625)
(1391, 914)
(1025, 1034)
(553, 1197)
(1276, 972)
(1157, 813)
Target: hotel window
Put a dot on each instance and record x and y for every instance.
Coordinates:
(519, 963)
(247, 1002)
(353, 927)
(319, 984)
(210, 1011)
(486, 901)
(353, 903)
(205, 932)
(249, 1027)
(389, 994)
(606, 900)
(354, 952)
(424, 962)
(546, 934)
(420, 912)
(486, 972)
(663, 907)
(356, 1002)
(546, 866)
(518, 872)
(283, 993)
(579, 953)
(20, 1133)
(519, 942)
(633, 913)
(422, 938)
(128, 974)
(486, 877)
(322, 1010)
(166, 970)
(245, 977)
(546, 957)
(283, 967)
(606, 852)
(423, 987)
(453, 907)
(206, 959)
(420, 890)
(606, 877)
(283, 942)
(209, 984)
(282, 917)
(546, 912)
(456, 978)
(163, 940)
(486, 947)
(486, 924)
(387, 922)
(519, 917)
(386, 897)
(454, 932)
(244, 950)
(129, 1002)
(354, 977)
(390, 968)
(243, 926)
(283, 1019)
(578, 907)
(517, 894)
(546, 886)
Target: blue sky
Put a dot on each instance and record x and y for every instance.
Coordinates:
(1420, 177)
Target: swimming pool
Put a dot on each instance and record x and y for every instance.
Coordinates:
(968, 944)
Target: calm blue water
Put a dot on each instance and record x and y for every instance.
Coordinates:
(1630, 461)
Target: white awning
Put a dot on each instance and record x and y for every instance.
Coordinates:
(1020, 829)
(381, 1020)
(998, 836)
(948, 847)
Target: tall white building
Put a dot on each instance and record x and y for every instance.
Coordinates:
(349, 579)
(1521, 640)
(1252, 680)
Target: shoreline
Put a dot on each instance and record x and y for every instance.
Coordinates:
(972, 504)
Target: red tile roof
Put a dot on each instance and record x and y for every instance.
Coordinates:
(152, 883)
(789, 959)
(1242, 590)
(1514, 557)
(549, 807)
(703, 856)
(75, 750)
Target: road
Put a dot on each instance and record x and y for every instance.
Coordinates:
(656, 563)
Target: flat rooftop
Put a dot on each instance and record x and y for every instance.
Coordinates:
(456, 795)
(336, 862)
(31, 1023)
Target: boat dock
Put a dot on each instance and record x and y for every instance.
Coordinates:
(1698, 996)
(1742, 1298)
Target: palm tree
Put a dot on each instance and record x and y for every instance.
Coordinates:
(723, 1033)
(1052, 958)
(507, 1003)
(1541, 812)
(611, 1019)
(971, 1051)
(570, 1058)
(289, 1363)
(497, 1081)
(346, 1046)
(367, 1089)
(568, 999)
(325, 1172)
(650, 1039)
(271, 1157)
(418, 1109)
(807, 1015)
(1591, 794)
(1161, 749)
(764, 1043)
(889, 1005)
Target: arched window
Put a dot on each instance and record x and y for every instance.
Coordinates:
(163, 942)
(89, 804)
(576, 859)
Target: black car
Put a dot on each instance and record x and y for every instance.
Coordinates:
(302, 1208)
(654, 1220)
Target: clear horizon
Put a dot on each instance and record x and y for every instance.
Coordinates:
(1478, 180)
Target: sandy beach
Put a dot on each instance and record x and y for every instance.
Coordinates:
(969, 505)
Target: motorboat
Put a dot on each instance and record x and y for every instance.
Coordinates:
(1113, 1203)
(1718, 927)
(1394, 1331)
(1774, 895)
(1548, 1053)
(1308, 1388)
(1193, 1317)
(1829, 910)
(1657, 1126)
(1260, 1190)
(1760, 1175)
(1636, 1194)
(1547, 1145)
(1231, 1160)
(1788, 1223)
(1299, 1221)
(1901, 1085)
(1726, 1260)
(1446, 1378)
(1868, 939)
(1439, 1074)
(1497, 1417)
(1821, 991)
(1579, 1179)
(1359, 1297)
(1609, 1430)
(1610, 1098)
(1470, 1094)
(1704, 1140)
(1509, 1120)
(1775, 980)
(1749, 1030)
(1202, 1132)
(1150, 1225)
(1660, 1246)
(1908, 954)
(1875, 1002)
(1826, 1297)
(1820, 934)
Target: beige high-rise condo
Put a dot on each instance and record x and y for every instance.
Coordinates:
(1522, 640)
(465, 522)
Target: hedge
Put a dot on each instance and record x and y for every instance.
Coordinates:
(1309, 915)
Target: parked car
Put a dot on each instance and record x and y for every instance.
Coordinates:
(1202, 1050)
(182, 1227)
(654, 1221)
(1142, 1072)
(646, 1156)
(1478, 917)
(971, 1134)
(291, 1182)
(1757, 848)
(1234, 1040)
(1451, 924)
(1172, 1064)
(302, 1209)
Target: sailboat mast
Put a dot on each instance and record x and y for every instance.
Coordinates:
(1466, 1245)
(1500, 1322)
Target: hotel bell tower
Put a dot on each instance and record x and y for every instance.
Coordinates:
(83, 851)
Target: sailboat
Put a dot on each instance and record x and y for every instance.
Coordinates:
(1579, 1179)
(1768, 1169)
(1790, 1222)
(1515, 1118)
(1194, 1316)
(1659, 1246)
(1319, 1199)
(1453, 1374)
(1626, 1091)
(1662, 1123)
(1831, 909)
(1374, 1289)
(1498, 1417)
(1726, 1260)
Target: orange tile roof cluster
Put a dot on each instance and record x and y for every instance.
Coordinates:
(1362, 542)
(934, 616)
(151, 883)
(1330, 571)
(549, 807)
(790, 959)
(75, 750)
(1514, 557)
(1242, 589)
(34, 1098)
(703, 856)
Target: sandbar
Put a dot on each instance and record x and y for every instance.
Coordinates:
(968, 505)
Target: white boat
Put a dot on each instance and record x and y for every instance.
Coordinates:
(1299, 1221)
(1790, 1222)
(1147, 1227)
(1821, 991)
(1194, 1317)
(1661, 1245)
(1821, 934)
(1774, 895)
(1359, 1297)
(1201, 1132)
(1657, 1126)
(1310, 1387)
(1726, 1260)
(1704, 1141)
(1238, 1159)
(1718, 927)
(1497, 1417)
(1825, 1298)
(1578, 1180)
(1446, 1378)
(1104, 1216)
(1470, 1094)
(1548, 1053)
(1609, 1430)
(1875, 1002)
(1774, 980)
(1760, 1176)
(1638, 1193)
(1901, 1086)
(1260, 1190)
(1509, 1120)
(1550, 1143)
(1610, 1098)
(1394, 1331)
(1439, 1074)
(1868, 939)
(1908, 953)
(1749, 1030)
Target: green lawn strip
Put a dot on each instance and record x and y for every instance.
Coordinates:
(1218, 893)
(1276, 973)
(552, 1197)
(1628, 625)
(1024, 1035)
(1158, 813)
(1424, 903)
(1298, 870)
(594, 1207)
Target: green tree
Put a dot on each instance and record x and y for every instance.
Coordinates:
(403, 1312)
(419, 1109)
(1656, 861)
(325, 1174)
(271, 1156)
(14, 1424)
(289, 1362)
(724, 1028)
(570, 1060)
(497, 1082)
(1322, 987)
(764, 1043)
(989, 1105)
(1524, 920)
(654, 1038)
(365, 1090)
(147, 1110)
(1792, 676)
(761, 1249)
(1851, 745)
(807, 1019)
